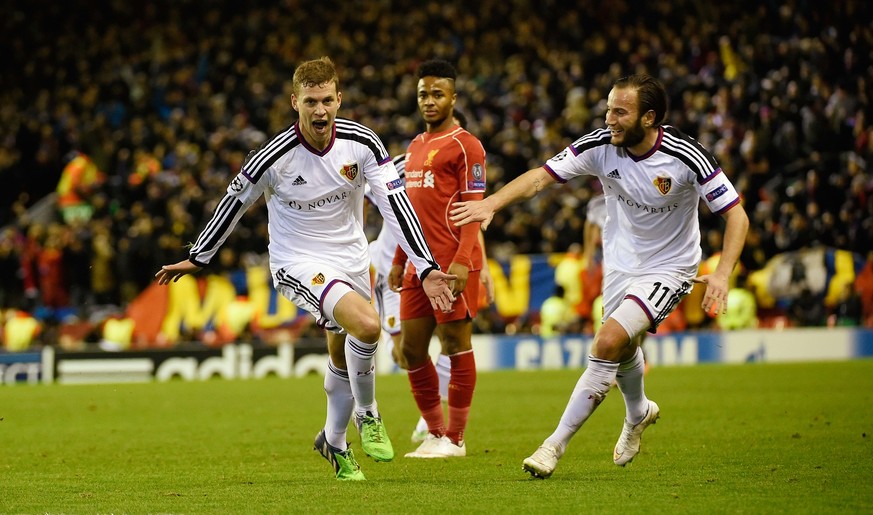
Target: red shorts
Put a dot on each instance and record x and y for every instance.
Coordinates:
(415, 304)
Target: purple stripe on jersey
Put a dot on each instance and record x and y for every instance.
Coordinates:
(727, 207)
(710, 176)
(553, 174)
(247, 176)
(642, 305)
(327, 289)
(651, 151)
(309, 147)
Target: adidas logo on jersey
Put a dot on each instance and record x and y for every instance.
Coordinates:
(299, 181)
(614, 174)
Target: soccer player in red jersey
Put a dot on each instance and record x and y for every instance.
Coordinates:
(444, 164)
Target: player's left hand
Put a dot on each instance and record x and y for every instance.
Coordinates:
(715, 297)
(487, 282)
(175, 271)
(395, 278)
(436, 287)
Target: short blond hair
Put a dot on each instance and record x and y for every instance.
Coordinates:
(313, 73)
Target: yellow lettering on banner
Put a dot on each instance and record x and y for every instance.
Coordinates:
(844, 273)
(512, 296)
(184, 306)
(258, 279)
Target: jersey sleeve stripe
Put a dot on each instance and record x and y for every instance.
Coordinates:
(400, 165)
(410, 226)
(347, 129)
(269, 152)
(218, 229)
(690, 152)
(593, 139)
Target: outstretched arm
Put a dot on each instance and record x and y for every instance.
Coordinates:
(174, 272)
(525, 186)
(737, 223)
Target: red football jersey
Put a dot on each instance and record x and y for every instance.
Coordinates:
(443, 168)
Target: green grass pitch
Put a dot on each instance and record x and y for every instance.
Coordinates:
(758, 438)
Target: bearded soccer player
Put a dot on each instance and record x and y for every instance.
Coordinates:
(312, 176)
(653, 178)
(445, 164)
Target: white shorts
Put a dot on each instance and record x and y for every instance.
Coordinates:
(657, 294)
(317, 287)
(387, 303)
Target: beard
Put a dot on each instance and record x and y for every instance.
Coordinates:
(633, 135)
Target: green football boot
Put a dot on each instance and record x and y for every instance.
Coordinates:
(374, 437)
(344, 464)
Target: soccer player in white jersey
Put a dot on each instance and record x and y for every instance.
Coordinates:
(312, 176)
(653, 177)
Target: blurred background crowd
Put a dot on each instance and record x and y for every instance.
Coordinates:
(121, 123)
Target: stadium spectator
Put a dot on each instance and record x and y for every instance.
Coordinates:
(443, 164)
(556, 314)
(653, 176)
(773, 95)
(864, 287)
(313, 177)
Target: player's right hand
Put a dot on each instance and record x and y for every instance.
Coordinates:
(395, 278)
(174, 272)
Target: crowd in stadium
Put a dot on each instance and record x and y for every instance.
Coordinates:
(137, 116)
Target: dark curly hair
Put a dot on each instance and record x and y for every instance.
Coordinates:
(437, 68)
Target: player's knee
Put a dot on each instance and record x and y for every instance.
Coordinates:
(369, 330)
(414, 356)
(610, 344)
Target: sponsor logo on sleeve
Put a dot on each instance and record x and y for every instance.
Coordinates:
(714, 194)
(475, 185)
(393, 185)
(236, 185)
(478, 172)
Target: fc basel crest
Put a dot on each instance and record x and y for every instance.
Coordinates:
(349, 171)
(318, 279)
(663, 184)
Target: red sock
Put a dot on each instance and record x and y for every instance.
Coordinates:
(461, 386)
(426, 391)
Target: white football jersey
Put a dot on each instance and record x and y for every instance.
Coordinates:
(651, 200)
(315, 201)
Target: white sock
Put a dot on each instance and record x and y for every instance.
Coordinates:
(360, 360)
(589, 392)
(630, 381)
(340, 404)
(444, 371)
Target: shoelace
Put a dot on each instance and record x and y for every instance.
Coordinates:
(372, 429)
